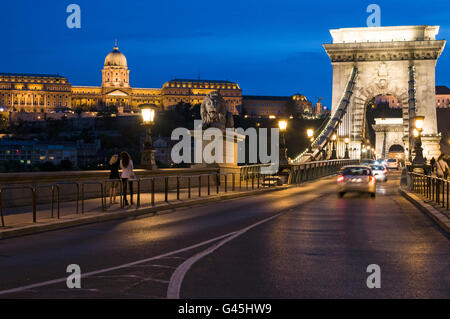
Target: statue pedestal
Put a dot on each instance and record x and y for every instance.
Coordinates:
(148, 159)
(227, 162)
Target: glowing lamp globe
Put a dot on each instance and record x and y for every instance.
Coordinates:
(418, 122)
(148, 112)
(282, 125)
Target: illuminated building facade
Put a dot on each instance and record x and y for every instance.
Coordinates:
(48, 93)
(194, 91)
(34, 92)
(275, 106)
(264, 106)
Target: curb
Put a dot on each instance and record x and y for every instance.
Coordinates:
(440, 219)
(101, 217)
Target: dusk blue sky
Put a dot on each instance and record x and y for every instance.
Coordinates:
(268, 47)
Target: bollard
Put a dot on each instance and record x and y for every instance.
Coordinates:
(233, 183)
(199, 185)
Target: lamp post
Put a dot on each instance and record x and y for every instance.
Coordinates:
(282, 125)
(417, 132)
(369, 153)
(333, 151)
(148, 112)
(310, 134)
(346, 140)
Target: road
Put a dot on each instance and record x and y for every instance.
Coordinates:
(302, 242)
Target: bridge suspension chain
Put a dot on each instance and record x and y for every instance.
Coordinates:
(332, 125)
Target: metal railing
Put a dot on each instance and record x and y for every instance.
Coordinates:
(181, 187)
(300, 173)
(433, 188)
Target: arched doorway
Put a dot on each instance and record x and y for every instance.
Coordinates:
(398, 152)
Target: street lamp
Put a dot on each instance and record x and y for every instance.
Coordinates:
(282, 125)
(417, 132)
(333, 151)
(310, 134)
(346, 141)
(148, 113)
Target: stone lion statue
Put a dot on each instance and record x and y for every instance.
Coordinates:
(213, 111)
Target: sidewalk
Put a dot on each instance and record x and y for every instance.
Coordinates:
(19, 221)
(439, 214)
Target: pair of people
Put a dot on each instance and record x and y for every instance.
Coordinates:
(125, 163)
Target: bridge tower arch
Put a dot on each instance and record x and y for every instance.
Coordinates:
(397, 61)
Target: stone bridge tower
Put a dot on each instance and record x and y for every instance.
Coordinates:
(398, 61)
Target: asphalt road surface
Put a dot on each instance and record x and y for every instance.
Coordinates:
(303, 242)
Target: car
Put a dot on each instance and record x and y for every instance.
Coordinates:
(270, 181)
(380, 172)
(368, 162)
(381, 162)
(392, 163)
(356, 178)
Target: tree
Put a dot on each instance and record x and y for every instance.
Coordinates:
(107, 111)
(79, 110)
(291, 108)
(4, 124)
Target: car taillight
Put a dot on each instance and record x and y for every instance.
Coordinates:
(385, 171)
(340, 178)
(371, 179)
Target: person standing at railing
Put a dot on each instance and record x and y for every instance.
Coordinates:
(114, 176)
(126, 164)
(441, 167)
(432, 163)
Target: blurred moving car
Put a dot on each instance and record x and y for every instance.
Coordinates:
(356, 178)
(271, 181)
(381, 162)
(368, 162)
(392, 163)
(380, 172)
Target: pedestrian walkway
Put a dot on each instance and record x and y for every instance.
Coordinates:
(71, 211)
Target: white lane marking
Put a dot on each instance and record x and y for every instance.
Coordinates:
(100, 271)
(173, 291)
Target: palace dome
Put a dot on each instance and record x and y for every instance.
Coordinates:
(116, 58)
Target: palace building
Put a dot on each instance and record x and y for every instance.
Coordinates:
(49, 93)
(34, 92)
